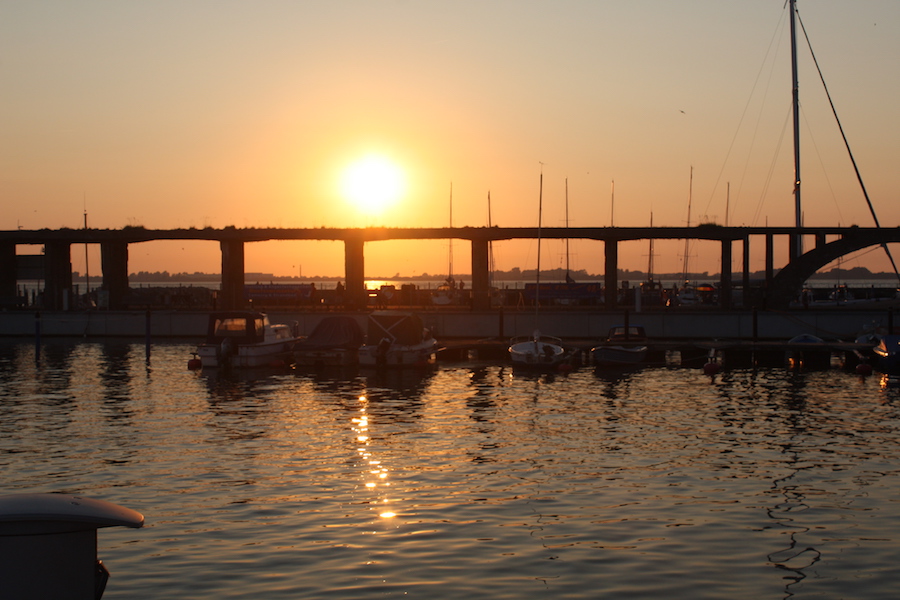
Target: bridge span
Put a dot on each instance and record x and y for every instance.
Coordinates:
(780, 286)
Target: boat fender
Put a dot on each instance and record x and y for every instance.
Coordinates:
(863, 369)
(194, 363)
(711, 368)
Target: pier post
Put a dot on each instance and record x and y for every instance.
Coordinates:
(481, 282)
(770, 260)
(354, 270)
(725, 276)
(610, 277)
(8, 274)
(232, 293)
(745, 269)
(57, 275)
(114, 262)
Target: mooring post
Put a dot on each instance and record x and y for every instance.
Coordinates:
(37, 337)
(147, 333)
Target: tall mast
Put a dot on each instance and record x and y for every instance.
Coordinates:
(798, 215)
(687, 241)
(87, 269)
(490, 246)
(567, 228)
(612, 203)
(537, 291)
(450, 274)
(650, 259)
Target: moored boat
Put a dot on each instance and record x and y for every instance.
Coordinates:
(540, 351)
(397, 339)
(245, 339)
(887, 355)
(334, 341)
(624, 347)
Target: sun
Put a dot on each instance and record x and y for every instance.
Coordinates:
(372, 184)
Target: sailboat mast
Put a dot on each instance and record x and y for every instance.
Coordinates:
(490, 246)
(87, 268)
(537, 291)
(798, 215)
(650, 258)
(567, 228)
(450, 268)
(687, 241)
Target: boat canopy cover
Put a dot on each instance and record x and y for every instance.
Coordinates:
(890, 344)
(334, 332)
(619, 333)
(400, 328)
(242, 327)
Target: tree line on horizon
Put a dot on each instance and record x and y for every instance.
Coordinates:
(515, 274)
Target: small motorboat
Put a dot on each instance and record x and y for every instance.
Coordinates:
(887, 355)
(625, 345)
(537, 351)
(397, 339)
(334, 341)
(239, 339)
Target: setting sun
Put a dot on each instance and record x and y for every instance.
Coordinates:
(372, 184)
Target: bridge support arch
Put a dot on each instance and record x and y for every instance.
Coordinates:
(788, 283)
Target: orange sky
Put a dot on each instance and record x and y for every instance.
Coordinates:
(172, 114)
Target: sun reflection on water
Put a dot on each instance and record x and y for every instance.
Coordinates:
(376, 475)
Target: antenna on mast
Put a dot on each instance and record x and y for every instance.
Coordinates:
(87, 269)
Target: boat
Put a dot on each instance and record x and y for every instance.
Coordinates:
(397, 339)
(539, 350)
(808, 350)
(625, 345)
(887, 355)
(245, 338)
(446, 293)
(334, 341)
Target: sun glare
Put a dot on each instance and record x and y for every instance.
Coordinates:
(372, 184)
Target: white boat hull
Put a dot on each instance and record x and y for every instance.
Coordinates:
(397, 355)
(332, 357)
(243, 356)
(619, 355)
(536, 352)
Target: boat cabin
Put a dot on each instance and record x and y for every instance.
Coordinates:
(631, 333)
(243, 327)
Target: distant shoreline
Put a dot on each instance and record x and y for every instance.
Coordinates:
(848, 275)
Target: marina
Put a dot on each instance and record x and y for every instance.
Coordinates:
(732, 432)
(468, 479)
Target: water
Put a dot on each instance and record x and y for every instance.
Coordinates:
(468, 481)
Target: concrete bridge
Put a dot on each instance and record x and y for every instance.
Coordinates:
(779, 289)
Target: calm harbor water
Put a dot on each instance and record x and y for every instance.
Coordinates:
(467, 481)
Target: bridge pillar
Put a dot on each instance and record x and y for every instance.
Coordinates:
(8, 274)
(746, 272)
(481, 280)
(231, 296)
(57, 275)
(610, 277)
(725, 276)
(354, 270)
(114, 263)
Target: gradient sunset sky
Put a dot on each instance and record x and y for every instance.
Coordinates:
(170, 114)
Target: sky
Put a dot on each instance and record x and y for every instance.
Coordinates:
(172, 114)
